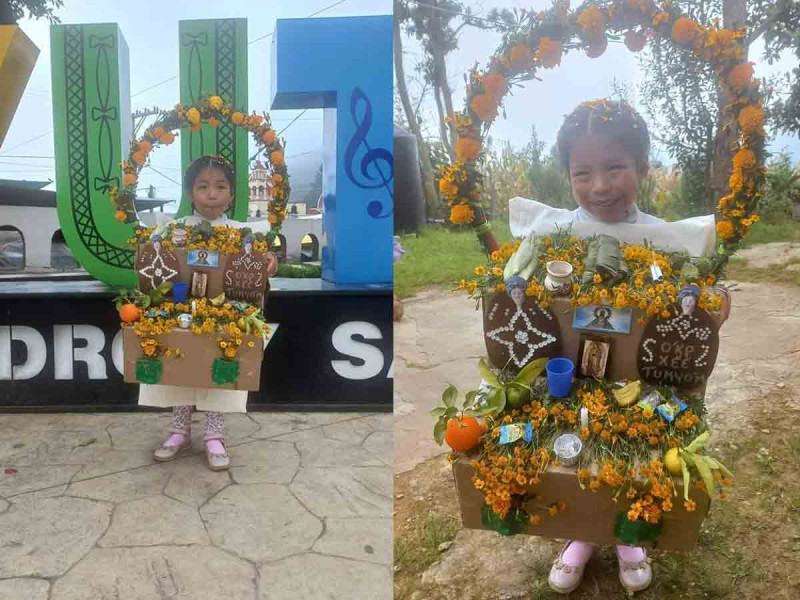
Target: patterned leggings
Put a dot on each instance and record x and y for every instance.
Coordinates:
(182, 423)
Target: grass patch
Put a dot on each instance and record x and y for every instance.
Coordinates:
(437, 255)
(298, 271)
(420, 549)
(765, 233)
(739, 270)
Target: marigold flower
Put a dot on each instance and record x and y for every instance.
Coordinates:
(635, 41)
(213, 122)
(461, 214)
(167, 138)
(751, 119)
(536, 519)
(553, 510)
(660, 18)
(215, 102)
(158, 132)
(484, 106)
(690, 505)
(195, 127)
(467, 148)
(548, 53)
(744, 159)
(740, 76)
(129, 178)
(139, 157)
(480, 271)
(145, 146)
(276, 158)
(597, 47)
(495, 84)
(237, 118)
(193, 116)
(592, 20)
(725, 230)
(269, 136)
(273, 219)
(521, 57)
(684, 30)
(120, 215)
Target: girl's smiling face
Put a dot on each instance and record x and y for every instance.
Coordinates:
(604, 177)
(211, 193)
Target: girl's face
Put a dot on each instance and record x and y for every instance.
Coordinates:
(604, 177)
(211, 193)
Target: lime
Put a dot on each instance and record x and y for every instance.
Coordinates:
(516, 396)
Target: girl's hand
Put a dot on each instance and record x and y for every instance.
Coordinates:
(725, 310)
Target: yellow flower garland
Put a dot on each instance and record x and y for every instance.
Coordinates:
(537, 46)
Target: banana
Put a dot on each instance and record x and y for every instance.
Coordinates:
(219, 300)
(705, 473)
(628, 394)
(686, 478)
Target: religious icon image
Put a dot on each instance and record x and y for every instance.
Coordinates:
(594, 358)
(597, 317)
(688, 297)
(515, 288)
(203, 258)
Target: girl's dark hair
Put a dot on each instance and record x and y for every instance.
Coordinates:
(614, 119)
(209, 162)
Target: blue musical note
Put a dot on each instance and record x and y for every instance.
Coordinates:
(373, 157)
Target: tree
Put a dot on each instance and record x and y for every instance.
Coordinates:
(13, 10)
(428, 185)
(684, 102)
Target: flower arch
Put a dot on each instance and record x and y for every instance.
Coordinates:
(212, 111)
(541, 42)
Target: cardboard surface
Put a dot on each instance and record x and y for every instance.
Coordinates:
(589, 516)
(194, 370)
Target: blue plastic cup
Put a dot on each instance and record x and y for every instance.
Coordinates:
(559, 376)
(180, 292)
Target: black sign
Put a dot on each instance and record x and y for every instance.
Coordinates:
(61, 348)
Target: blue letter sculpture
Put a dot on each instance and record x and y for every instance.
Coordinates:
(344, 65)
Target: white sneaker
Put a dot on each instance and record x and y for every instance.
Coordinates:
(637, 576)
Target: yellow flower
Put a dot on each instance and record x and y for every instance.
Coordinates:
(237, 118)
(484, 106)
(276, 158)
(193, 116)
(725, 230)
(215, 102)
(744, 159)
(480, 271)
(497, 271)
(592, 20)
(740, 76)
(250, 344)
(751, 119)
(467, 148)
(461, 214)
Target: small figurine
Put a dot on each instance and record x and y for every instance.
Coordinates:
(184, 320)
(179, 236)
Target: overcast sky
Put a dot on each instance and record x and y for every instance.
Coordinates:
(545, 103)
(150, 28)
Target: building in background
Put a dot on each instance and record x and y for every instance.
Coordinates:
(260, 192)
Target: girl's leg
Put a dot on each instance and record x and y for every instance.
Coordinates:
(635, 571)
(181, 435)
(567, 571)
(214, 437)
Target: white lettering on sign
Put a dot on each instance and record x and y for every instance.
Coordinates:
(343, 342)
(36, 352)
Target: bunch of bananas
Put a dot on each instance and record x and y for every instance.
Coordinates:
(690, 457)
(627, 395)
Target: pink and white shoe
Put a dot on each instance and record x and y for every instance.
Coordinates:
(637, 575)
(173, 446)
(565, 578)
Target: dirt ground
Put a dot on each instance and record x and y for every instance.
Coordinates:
(749, 545)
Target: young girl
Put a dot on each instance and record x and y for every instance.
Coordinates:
(604, 147)
(210, 183)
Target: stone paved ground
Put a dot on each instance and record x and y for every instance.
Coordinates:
(304, 512)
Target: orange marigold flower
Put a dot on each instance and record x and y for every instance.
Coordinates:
(736, 182)
(269, 136)
(594, 485)
(592, 20)
(120, 215)
(536, 519)
(635, 41)
(276, 158)
(751, 119)
(548, 53)
(195, 127)
(158, 132)
(521, 57)
(684, 30)
(461, 214)
(167, 138)
(129, 178)
(660, 18)
(139, 157)
(237, 118)
(553, 510)
(480, 272)
(273, 219)
(467, 148)
(214, 122)
(495, 84)
(744, 159)
(145, 146)
(484, 106)
(690, 505)
(740, 76)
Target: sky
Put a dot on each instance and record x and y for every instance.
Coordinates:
(545, 103)
(150, 28)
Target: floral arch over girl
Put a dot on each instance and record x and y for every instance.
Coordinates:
(540, 44)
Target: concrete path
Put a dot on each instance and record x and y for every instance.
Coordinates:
(440, 340)
(304, 512)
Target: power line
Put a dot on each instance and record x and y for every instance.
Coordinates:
(27, 156)
(455, 12)
(33, 139)
(305, 110)
(164, 176)
(314, 14)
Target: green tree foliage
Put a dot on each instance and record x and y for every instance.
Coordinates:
(13, 10)
(782, 191)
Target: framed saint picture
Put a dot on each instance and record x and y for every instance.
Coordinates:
(599, 317)
(594, 357)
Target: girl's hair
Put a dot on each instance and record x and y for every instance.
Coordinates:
(209, 162)
(614, 119)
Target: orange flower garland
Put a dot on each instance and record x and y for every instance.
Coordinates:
(542, 46)
(214, 111)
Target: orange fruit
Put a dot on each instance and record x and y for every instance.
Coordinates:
(463, 433)
(129, 313)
